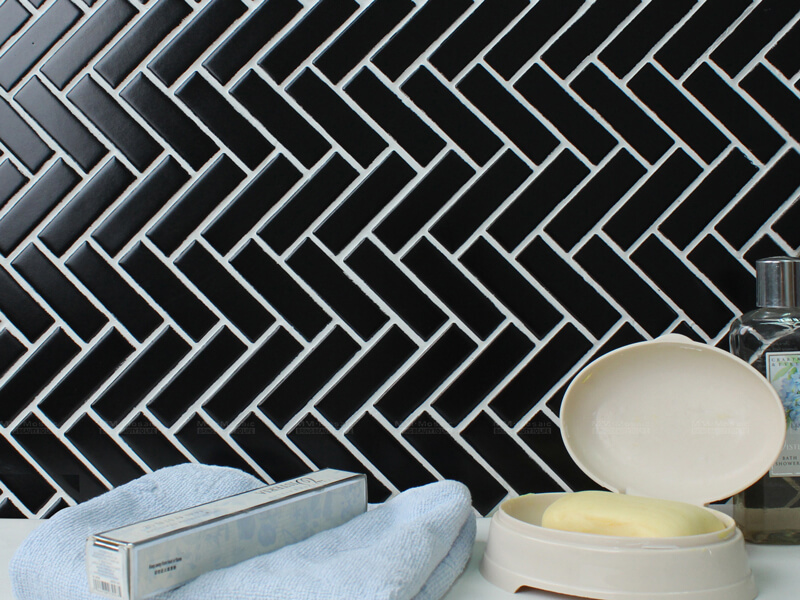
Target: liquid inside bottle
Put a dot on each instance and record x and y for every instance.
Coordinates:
(769, 339)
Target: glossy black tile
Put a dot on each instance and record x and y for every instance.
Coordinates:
(622, 113)
(547, 96)
(395, 117)
(387, 454)
(643, 32)
(22, 479)
(595, 199)
(753, 33)
(130, 309)
(34, 205)
(483, 374)
(763, 248)
(678, 282)
(139, 377)
(54, 457)
(103, 452)
(785, 55)
(442, 357)
(317, 25)
(144, 201)
(775, 186)
(308, 378)
(453, 288)
(568, 287)
(622, 283)
(225, 122)
(196, 376)
(222, 289)
(786, 225)
(21, 140)
(543, 371)
(511, 117)
(11, 350)
(11, 181)
(336, 117)
(364, 203)
(680, 115)
(208, 448)
(267, 450)
(194, 206)
(711, 195)
(296, 215)
(653, 198)
(480, 200)
(39, 368)
(336, 288)
(13, 16)
(539, 198)
(696, 35)
(86, 206)
(507, 457)
(455, 119)
(45, 32)
(316, 442)
(22, 310)
(473, 34)
(529, 34)
(779, 101)
(280, 119)
(51, 284)
(61, 124)
(361, 36)
(433, 191)
(725, 272)
(106, 22)
(9, 511)
(252, 203)
(396, 289)
(500, 277)
(584, 35)
(150, 445)
(86, 377)
(544, 438)
(179, 131)
(366, 377)
(108, 116)
(429, 22)
(278, 288)
(171, 294)
(452, 461)
(738, 116)
(259, 28)
(194, 38)
(132, 48)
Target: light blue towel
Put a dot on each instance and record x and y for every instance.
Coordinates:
(413, 546)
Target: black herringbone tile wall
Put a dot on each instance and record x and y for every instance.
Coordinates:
(379, 236)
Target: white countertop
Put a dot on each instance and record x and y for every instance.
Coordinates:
(775, 568)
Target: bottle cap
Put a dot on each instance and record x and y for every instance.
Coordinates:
(778, 281)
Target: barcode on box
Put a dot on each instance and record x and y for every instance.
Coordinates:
(109, 588)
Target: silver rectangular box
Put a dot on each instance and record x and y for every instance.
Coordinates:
(152, 556)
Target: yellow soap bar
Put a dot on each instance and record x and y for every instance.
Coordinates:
(606, 513)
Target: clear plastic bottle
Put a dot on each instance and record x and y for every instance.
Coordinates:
(769, 339)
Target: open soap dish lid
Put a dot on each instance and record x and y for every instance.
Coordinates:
(671, 418)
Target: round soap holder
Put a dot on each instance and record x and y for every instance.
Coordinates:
(668, 418)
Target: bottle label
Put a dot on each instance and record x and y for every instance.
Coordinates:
(783, 372)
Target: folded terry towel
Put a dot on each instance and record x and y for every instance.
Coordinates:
(413, 546)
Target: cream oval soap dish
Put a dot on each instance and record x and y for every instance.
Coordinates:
(668, 418)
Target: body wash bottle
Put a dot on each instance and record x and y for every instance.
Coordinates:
(769, 339)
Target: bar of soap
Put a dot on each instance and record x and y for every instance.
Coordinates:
(606, 513)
